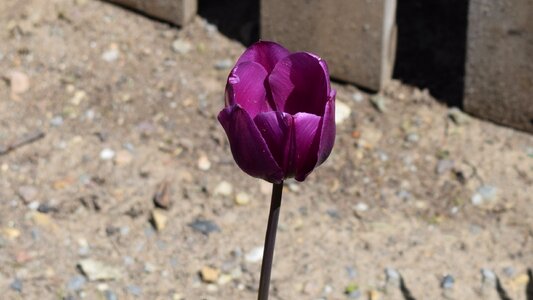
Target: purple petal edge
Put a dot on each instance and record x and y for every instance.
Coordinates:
(265, 53)
(327, 135)
(248, 147)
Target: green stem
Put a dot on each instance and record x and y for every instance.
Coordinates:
(270, 241)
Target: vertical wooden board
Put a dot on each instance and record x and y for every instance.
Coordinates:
(178, 12)
(499, 68)
(357, 38)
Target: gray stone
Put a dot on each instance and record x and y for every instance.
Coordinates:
(96, 270)
(356, 38)
(447, 282)
(457, 116)
(484, 194)
(56, 121)
(392, 275)
(110, 295)
(179, 12)
(28, 193)
(499, 68)
(76, 283)
(223, 64)
(135, 290)
(379, 102)
(16, 285)
(443, 166)
(204, 226)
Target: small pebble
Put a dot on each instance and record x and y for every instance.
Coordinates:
(162, 195)
(19, 82)
(28, 193)
(483, 194)
(444, 165)
(342, 112)
(203, 163)
(412, 137)
(204, 226)
(509, 271)
(352, 272)
(111, 55)
(457, 116)
(159, 220)
(56, 121)
(135, 290)
(149, 268)
(223, 64)
(488, 192)
(16, 285)
(529, 151)
(328, 289)
(123, 157)
(96, 270)
(392, 275)
(209, 274)
(107, 154)
(378, 101)
(34, 205)
(255, 255)
(110, 295)
(182, 47)
(78, 97)
(476, 199)
(361, 207)
(357, 97)
(76, 283)
(224, 188)
(242, 198)
(447, 282)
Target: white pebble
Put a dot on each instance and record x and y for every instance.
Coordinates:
(342, 112)
(203, 163)
(110, 55)
(107, 154)
(255, 255)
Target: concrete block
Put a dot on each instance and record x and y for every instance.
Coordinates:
(178, 12)
(357, 38)
(499, 67)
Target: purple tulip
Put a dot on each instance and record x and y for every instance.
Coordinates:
(280, 112)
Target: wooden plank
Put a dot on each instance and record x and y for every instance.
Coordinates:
(357, 38)
(178, 12)
(499, 68)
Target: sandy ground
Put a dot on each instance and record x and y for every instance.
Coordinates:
(127, 103)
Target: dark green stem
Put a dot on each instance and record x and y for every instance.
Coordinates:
(270, 241)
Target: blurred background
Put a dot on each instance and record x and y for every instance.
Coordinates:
(117, 182)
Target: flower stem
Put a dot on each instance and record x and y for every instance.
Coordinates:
(270, 241)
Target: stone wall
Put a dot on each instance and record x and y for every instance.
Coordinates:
(499, 67)
(357, 38)
(178, 12)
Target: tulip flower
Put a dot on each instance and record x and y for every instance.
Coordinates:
(280, 122)
(280, 112)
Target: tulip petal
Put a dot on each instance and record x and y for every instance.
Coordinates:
(265, 53)
(325, 69)
(307, 140)
(248, 147)
(275, 129)
(327, 135)
(299, 84)
(246, 87)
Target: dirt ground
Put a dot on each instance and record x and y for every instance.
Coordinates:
(126, 103)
